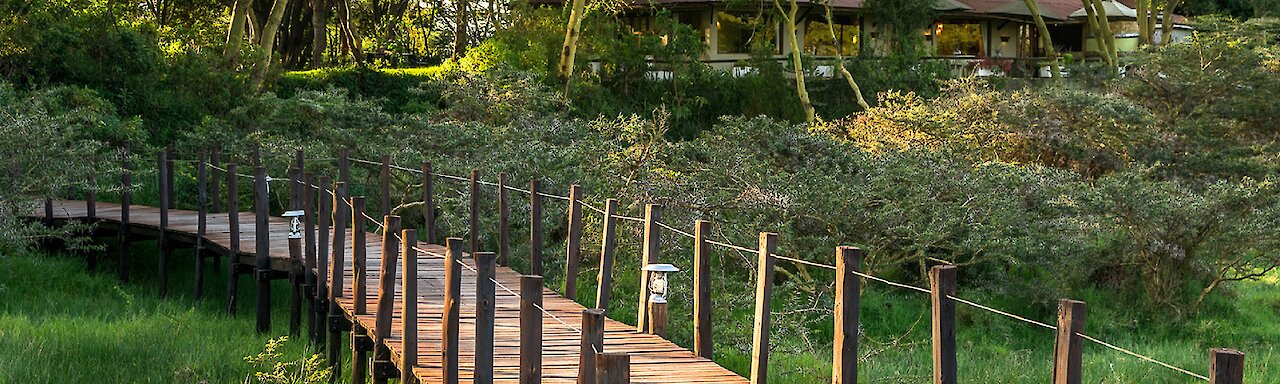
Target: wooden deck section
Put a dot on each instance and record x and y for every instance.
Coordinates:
(653, 359)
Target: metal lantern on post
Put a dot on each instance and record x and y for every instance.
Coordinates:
(658, 286)
(295, 223)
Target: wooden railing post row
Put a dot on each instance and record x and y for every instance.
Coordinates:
(530, 329)
(324, 215)
(1226, 366)
(613, 368)
(486, 296)
(383, 367)
(608, 241)
(262, 247)
(652, 244)
(473, 234)
(360, 341)
(337, 257)
(844, 365)
(384, 178)
(162, 241)
(233, 229)
(764, 298)
(573, 251)
(703, 345)
(1068, 345)
(942, 285)
(535, 227)
(202, 222)
(592, 343)
(452, 305)
(504, 211)
(428, 204)
(409, 321)
(126, 200)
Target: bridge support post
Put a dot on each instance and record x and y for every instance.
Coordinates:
(764, 297)
(844, 367)
(608, 241)
(485, 306)
(321, 305)
(409, 321)
(592, 343)
(702, 338)
(613, 368)
(1226, 366)
(658, 319)
(535, 227)
(337, 257)
(452, 305)
(233, 253)
(383, 368)
(309, 252)
(942, 284)
(1069, 347)
(262, 248)
(428, 205)
(361, 345)
(652, 246)
(504, 221)
(126, 200)
(473, 234)
(162, 241)
(296, 262)
(202, 222)
(530, 329)
(573, 251)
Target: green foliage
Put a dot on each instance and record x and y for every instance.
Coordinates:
(273, 368)
(902, 21)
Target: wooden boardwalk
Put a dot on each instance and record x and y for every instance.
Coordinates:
(653, 359)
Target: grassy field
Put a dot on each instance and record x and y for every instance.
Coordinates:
(59, 323)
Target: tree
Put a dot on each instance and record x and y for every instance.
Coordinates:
(1046, 39)
(1143, 8)
(789, 36)
(574, 29)
(1101, 30)
(267, 43)
(320, 32)
(844, 72)
(235, 33)
(1166, 30)
(351, 40)
(460, 29)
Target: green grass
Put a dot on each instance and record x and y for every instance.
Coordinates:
(62, 324)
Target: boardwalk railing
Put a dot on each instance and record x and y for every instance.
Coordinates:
(318, 258)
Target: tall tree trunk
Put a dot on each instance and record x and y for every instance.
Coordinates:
(268, 41)
(570, 50)
(460, 29)
(1166, 29)
(1151, 20)
(1143, 39)
(844, 72)
(319, 32)
(350, 37)
(789, 34)
(235, 34)
(1043, 30)
(1108, 37)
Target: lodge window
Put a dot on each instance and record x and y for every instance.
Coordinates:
(818, 40)
(737, 32)
(958, 39)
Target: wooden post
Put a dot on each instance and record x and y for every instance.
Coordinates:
(764, 297)
(504, 211)
(658, 318)
(474, 233)
(344, 171)
(202, 223)
(91, 197)
(385, 178)
(233, 227)
(452, 301)
(296, 258)
(652, 245)
(255, 154)
(386, 301)
(535, 227)
(337, 258)
(608, 241)
(359, 248)
(48, 211)
(162, 242)
(325, 216)
(485, 306)
(262, 247)
(309, 250)
(169, 176)
(573, 253)
(1226, 366)
(214, 192)
(530, 329)
(409, 321)
(942, 284)
(428, 204)
(592, 342)
(702, 335)
(844, 367)
(1069, 346)
(126, 199)
(613, 368)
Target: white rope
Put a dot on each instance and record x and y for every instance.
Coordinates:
(629, 218)
(731, 246)
(676, 230)
(896, 284)
(999, 312)
(805, 262)
(598, 210)
(1148, 359)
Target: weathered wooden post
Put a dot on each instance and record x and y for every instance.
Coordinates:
(535, 227)
(324, 214)
(504, 211)
(409, 321)
(384, 177)
(530, 329)
(168, 183)
(592, 342)
(202, 222)
(215, 193)
(1069, 347)
(262, 247)
(608, 241)
(344, 171)
(573, 253)
(337, 259)
(1226, 366)
(702, 336)
(764, 297)
(162, 242)
(309, 250)
(473, 234)
(658, 318)
(652, 245)
(942, 285)
(485, 306)
(428, 204)
(383, 367)
(361, 344)
(613, 368)
(126, 199)
(296, 261)
(844, 367)
(233, 251)
(452, 304)
(91, 211)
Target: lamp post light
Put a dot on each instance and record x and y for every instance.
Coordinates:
(658, 286)
(295, 223)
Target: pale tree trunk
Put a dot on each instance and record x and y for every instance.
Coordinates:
(1101, 30)
(320, 31)
(1142, 9)
(460, 29)
(268, 41)
(1055, 70)
(1107, 36)
(1166, 28)
(235, 34)
(565, 70)
(857, 91)
(789, 33)
(346, 31)
(1151, 21)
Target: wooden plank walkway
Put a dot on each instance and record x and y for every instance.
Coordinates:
(653, 359)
